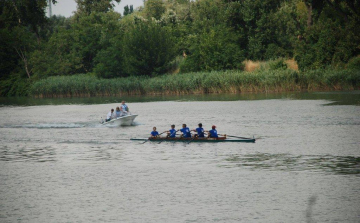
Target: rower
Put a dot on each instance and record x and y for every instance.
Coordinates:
(213, 132)
(200, 131)
(172, 132)
(154, 133)
(185, 131)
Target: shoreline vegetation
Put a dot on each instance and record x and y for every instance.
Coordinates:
(231, 81)
(172, 47)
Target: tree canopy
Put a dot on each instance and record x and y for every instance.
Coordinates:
(202, 35)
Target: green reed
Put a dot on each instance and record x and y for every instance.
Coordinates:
(84, 85)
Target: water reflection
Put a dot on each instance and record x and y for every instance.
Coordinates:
(73, 153)
(338, 98)
(309, 210)
(287, 162)
(23, 153)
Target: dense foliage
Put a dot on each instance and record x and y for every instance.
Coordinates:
(168, 36)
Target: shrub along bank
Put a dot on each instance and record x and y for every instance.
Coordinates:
(84, 85)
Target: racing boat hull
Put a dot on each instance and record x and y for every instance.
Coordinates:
(177, 139)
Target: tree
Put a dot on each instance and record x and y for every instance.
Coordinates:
(332, 37)
(21, 20)
(110, 61)
(214, 49)
(26, 13)
(154, 9)
(127, 10)
(72, 51)
(148, 49)
(213, 42)
(86, 7)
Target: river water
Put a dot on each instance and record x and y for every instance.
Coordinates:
(58, 164)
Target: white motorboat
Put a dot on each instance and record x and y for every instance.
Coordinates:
(120, 121)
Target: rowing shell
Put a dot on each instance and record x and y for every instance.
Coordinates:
(220, 139)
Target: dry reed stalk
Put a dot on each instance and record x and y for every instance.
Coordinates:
(251, 65)
(291, 64)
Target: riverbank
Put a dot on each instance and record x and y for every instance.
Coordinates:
(84, 85)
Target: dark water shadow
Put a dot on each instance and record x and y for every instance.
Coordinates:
(339, 97)
(287, 162)
(22, 154)
(72, 150)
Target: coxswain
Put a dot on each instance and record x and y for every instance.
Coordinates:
(200, 131)
(154, 133)
(185, 131)
(213, 132)
(172, 132)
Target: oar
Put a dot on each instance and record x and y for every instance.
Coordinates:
(145, 141)
(239, 137)
(191, 140)
(150, 138)
(167, 136)
(198, 136)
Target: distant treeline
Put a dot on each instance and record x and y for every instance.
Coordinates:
(200, 82)
(147, 44)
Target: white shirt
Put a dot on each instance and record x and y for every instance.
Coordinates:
(110, 115)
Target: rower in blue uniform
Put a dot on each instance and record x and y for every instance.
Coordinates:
(154, 133)
(172, 132)
(200, 131)
(185, 131)
(213, 132)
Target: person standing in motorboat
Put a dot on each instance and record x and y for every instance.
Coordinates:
(110, 115)
(200, 131)
(124, 108)
(185, 131)
(118, 112)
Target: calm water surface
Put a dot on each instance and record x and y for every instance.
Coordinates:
(58, 164)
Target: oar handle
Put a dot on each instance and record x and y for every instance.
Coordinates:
(160, 134)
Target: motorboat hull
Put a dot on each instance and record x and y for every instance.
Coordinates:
(121, 121)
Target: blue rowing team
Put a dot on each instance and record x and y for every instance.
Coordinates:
(186, 132)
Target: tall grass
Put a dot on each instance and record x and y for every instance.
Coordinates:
(83, 85)
(200, 82)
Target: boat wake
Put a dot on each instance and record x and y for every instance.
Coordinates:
(46, 125)
(61, 125)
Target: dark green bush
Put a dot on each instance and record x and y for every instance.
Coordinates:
(354, 63)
